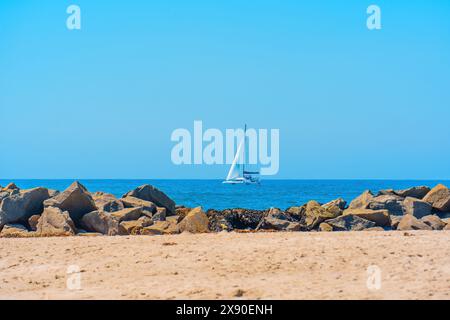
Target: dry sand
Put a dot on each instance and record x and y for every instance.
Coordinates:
(414, 265)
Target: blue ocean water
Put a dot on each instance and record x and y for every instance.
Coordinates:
(213, 194)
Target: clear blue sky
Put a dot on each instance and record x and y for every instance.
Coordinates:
(102, 102)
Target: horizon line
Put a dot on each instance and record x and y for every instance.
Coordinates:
(221, 179)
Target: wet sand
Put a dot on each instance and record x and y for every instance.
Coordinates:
(412, 265)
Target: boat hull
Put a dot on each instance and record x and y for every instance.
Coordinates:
(240, 181)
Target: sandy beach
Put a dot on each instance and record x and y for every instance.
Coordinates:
(316, 265)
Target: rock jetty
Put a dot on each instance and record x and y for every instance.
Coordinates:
(41, 212)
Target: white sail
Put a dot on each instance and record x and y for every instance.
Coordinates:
(237, 173)
(234, 170)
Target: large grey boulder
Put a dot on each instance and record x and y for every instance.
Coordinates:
(414, 192)
(108, 222)
(350, 223)
(19, 207)
(274, 219)
(393, 204)
(55, 222)
(75, 199)
(417, 208)
(439, 198)
(152, 194)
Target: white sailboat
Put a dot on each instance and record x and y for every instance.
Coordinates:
(237, 173)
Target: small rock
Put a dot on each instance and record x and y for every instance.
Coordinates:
(14, 231)
(196, 221)
(152, 231)
(135, 226)
(161, 227)
(395, 220)
(336, 206)
(434, 222)
(55, 222)
(127, 214)
(390, 192)
(274, 219)
(239, 293)
(33, 221)
(103, 196)
(375, 229)
(181, 212)
(296, 213)
(295, 226)
(11, 186)
(409, 222)
(315, 214)
(160, 214)
(361, 201)
(325, 227)
(89, 234)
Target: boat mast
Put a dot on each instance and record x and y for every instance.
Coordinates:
(245, 149)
